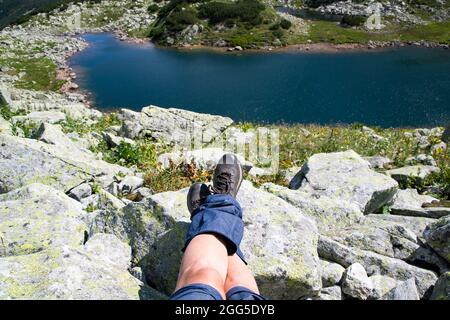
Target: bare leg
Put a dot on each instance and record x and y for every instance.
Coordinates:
(239, 275)
(205, 261)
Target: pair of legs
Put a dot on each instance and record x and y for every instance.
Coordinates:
(206, 261)
(213, 266)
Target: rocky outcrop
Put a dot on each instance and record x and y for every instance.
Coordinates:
(172, 125)
(96, 270)
(36, 217)
(54, 161)
(376, 263)
(345, 176)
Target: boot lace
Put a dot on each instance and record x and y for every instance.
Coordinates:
(222, 185)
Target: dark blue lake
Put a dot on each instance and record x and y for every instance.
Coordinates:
(396, 87)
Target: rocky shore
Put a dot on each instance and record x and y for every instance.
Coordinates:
(82, 217)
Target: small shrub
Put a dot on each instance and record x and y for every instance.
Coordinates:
(352, 21)
(153, 8)
(247, 11)
(143, 155)
(180, 18)
(285, 24)
(5, 111)
(278, 33)
(275, 26)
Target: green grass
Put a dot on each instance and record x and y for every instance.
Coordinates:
(106, 121)
(39, 73)
(328, 31)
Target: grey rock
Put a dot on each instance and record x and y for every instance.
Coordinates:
(412, 174)
(377, 264)
(356, 283)
(38, 117)
(415, 224)
(129, 184)
(36, 217)
(172, 125)
(143, 193)
(424, 159)
(80, 192)
(442, 288)
(409, 203)
(66, 273)
(378, 162)
(345, 176)
(391, 240)
(332, 273)
(405, 290)
(327, 212)
(114, 141)
(382, 286)
(437, 236)
(329, 293)
(58, 162)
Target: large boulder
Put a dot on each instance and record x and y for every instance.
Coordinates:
(37, 217)
(326, 211)
(280, 244)
(437, 236)
(95, 271)
(388, 239)
(415, 224)
(345, 176)
(442, 288)
(376, 263)
(54, 161)
(172, 125)
(409, 203)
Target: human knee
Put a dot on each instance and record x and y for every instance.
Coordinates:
(203, 268)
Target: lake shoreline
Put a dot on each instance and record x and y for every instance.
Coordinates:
(316, 47)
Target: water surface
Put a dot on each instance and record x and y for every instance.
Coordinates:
(396, 87)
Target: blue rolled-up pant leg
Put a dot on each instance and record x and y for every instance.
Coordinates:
(222, 215)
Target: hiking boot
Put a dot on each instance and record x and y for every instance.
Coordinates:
(196, 196)
(227, 177)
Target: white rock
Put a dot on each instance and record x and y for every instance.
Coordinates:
(356, 283)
